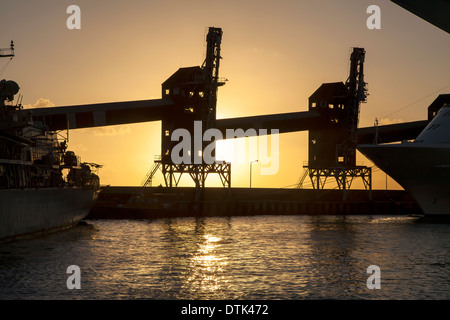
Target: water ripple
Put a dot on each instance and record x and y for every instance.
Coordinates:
(259, 257)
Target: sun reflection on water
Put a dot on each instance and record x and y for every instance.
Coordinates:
(206, 267)
(270, 257)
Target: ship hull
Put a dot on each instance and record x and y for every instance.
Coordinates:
(29, 212)
(422, 170)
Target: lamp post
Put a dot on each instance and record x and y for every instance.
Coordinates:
(251, 162)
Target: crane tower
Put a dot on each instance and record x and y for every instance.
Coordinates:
(332, 150)
(194, 93)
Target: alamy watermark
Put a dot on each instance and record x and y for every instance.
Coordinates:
(74, 20)
(374, 20)
(374, 281)
(182, 152)
(74, 280)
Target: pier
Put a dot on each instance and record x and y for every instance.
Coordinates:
(161, 202)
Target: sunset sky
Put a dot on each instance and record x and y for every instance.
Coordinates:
(275, 55)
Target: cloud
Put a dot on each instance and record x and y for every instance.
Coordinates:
(112, 131)
(386, 121)
(40, 103)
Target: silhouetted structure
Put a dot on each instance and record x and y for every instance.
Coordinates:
(190, 95)
(332, 149)
(194, 93)
(434, 11)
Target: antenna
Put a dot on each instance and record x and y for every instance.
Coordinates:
(7, 52)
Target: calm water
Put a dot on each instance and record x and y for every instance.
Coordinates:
(262, 257)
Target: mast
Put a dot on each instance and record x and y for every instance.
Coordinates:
(7, 52)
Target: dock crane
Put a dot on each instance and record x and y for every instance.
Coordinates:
(190, 94)
(332, 149)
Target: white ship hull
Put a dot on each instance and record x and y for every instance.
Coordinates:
(30, 211)
(421, 169)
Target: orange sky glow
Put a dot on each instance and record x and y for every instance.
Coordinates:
(275, 55)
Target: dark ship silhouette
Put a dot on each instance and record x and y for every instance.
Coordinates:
(43, 187)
